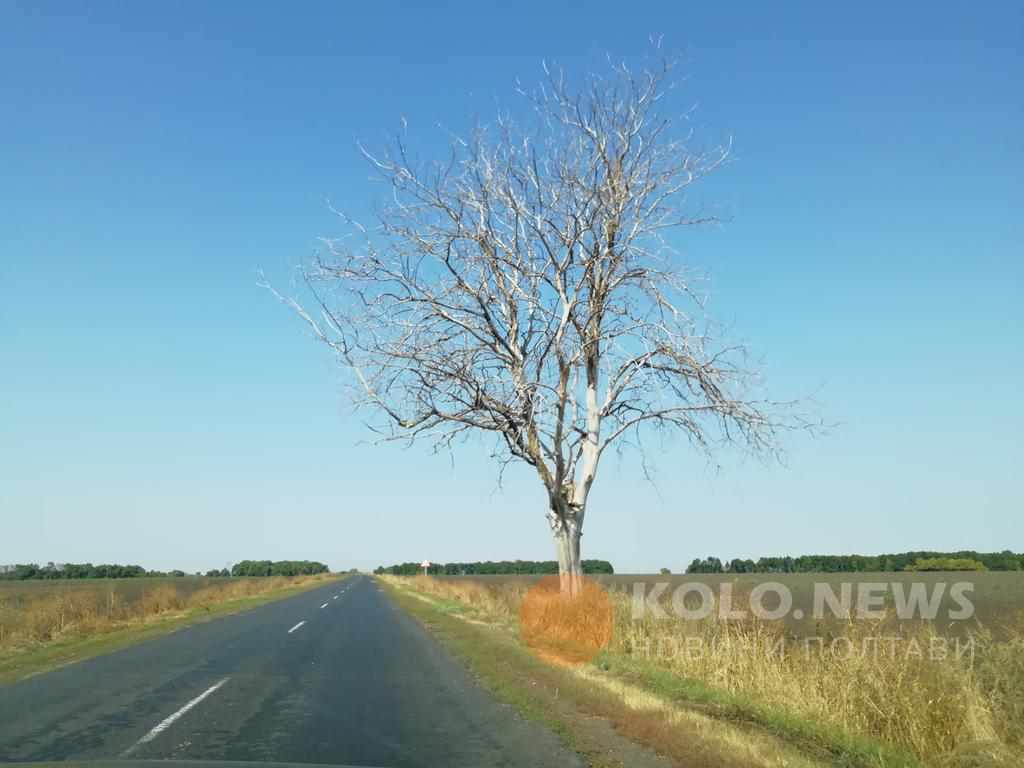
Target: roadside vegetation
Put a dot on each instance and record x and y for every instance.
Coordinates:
(44, 624)
(878, 708)
(608, 722)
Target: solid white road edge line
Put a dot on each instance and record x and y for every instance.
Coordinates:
(166, 723)
(296, 627)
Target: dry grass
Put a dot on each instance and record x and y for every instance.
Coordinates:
(958, 709)
(33, 615)
(888, 691)
(599, 716)
(689, 734)
(562, 629)
(499, 600)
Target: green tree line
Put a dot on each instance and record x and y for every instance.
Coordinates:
(489, 567)
(902, 561)
(947, 564)
(25, 571)
(277, 568)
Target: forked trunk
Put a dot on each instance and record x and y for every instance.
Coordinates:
(570, 568)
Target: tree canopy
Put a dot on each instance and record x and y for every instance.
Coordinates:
(525, 289)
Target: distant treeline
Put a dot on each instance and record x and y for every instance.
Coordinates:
(24, 571)
(904, 561)
(90, 571)
(503, 567)
(277, 568)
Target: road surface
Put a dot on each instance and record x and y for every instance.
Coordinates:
(335, 675)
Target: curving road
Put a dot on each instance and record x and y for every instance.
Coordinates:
(336, 675)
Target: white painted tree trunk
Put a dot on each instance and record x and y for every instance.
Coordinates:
(570, 568)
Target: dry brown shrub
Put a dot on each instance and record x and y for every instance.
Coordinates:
(566, 629)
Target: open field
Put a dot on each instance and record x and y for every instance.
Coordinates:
(874, 680)
(996, 596)
(128, 591)
(47, 623)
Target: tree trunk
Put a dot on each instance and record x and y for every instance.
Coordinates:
(570, 568)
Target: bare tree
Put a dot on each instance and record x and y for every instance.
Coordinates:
(524, 287)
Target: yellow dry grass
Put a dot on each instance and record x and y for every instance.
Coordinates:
(573, 696)
(900, 689)
(729, 745)
(42, 614)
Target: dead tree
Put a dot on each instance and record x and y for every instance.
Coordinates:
(524, 287)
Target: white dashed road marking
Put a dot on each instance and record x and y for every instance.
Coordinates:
(163, 725)
(296, 627)
(324, 605)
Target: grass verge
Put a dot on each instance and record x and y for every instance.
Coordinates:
(610, 716)
(944, 699)
(827, 742)
(18, 663)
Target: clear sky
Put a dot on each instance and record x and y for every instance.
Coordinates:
(157, 406)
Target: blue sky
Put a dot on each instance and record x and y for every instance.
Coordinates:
(157, 406)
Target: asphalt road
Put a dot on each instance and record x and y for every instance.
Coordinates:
(335, 675)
